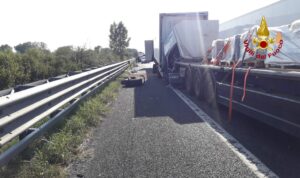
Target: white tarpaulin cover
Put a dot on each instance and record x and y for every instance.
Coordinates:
(170, 43)
(231, 49)
(193, 38)
(247, 36)
(217, 50)
(166, 25)
(285, 53)
(289, 53)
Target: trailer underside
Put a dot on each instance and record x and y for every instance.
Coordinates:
(271, 96)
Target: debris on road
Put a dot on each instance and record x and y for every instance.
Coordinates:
(135, 78)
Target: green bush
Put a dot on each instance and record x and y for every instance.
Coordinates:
(32, 61)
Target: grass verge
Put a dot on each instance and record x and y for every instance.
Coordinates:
(49, 155)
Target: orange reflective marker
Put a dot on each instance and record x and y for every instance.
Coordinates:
(278, 37)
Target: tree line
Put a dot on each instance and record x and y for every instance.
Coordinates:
(32, 61)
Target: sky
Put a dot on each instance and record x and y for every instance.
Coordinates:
(86, 23)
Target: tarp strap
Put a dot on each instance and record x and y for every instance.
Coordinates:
(231, 91)
(245, 83)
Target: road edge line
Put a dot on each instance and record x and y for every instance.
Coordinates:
(251, 161)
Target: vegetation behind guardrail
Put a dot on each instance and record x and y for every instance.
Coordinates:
(33, 61)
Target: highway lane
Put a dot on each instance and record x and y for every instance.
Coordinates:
(151, 132)
(276, 149)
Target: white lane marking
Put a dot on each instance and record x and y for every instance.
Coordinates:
(254, 164)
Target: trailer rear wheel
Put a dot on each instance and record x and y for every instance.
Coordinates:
(188, 82)
(198, 86)
(209, 91)
(154, 68)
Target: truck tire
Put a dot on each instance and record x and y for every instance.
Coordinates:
(188, 82)
(154, 68)
(166, 78)
(198, 86)
(209, 90)
(133, 82)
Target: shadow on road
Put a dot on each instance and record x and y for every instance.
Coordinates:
(154, 99)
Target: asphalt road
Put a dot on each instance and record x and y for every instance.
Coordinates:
(150, 132)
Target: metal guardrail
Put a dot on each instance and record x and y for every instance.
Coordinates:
(22, 109)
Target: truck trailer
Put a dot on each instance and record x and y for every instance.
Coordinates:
(233, 71)
(149, 51)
